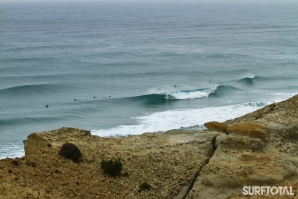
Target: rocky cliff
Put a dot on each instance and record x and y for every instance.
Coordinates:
(257, 149)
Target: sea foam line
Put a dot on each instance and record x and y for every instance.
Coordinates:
(166, 120)
(11, 150)
(188, 95)
(176, 119)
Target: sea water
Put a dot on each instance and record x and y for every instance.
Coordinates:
(125, 68)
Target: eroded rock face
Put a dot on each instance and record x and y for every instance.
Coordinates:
(259, 150)
(34, 143)
(55, 139)
(242, 161)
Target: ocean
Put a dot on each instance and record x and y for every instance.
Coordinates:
(125, 68)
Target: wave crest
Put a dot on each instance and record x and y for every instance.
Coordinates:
(159, 98)
(195, 94)
(201, 93)
(251, 80)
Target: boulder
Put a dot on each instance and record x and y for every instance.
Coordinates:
(251, 129)
(216, 126)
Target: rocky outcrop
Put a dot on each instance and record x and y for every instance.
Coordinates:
(251, 129)
(34, 143)
(37, 141)
(242, 161)
(216, 126)
(168, 161)
(257, 149)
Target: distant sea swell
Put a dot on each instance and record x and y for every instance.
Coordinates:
(213, 91)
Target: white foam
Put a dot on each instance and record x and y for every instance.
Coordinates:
(248, 75)
(175, 119)
(189, 95)
(166, 120)
(11, 151)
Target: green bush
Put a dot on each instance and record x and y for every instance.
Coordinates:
(70, 151)
(112, 167)
(145, 186)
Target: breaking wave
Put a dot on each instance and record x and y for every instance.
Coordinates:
(156, 98)
(181, 119)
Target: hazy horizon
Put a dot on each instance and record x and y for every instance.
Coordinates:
(144, 1)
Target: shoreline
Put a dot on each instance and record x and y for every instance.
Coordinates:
(255, 149)
(191, 118)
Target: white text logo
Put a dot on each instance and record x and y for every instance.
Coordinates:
(267, 190)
